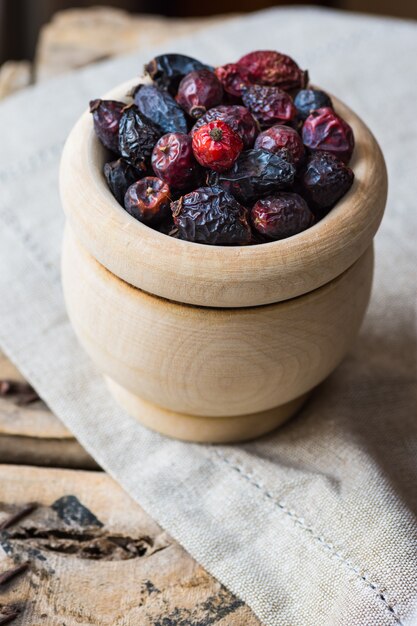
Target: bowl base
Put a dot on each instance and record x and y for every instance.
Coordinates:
(203, 429)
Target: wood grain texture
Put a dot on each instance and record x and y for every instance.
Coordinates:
(97, 559)
(31, 434)
(217, 275)
(212, 362)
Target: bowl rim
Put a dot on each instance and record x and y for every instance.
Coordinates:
(219, 276)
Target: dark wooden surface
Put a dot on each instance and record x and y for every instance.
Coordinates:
(88, 555)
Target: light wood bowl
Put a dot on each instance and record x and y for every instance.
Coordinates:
(178, 329)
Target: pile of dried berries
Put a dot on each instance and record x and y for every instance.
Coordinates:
(245, 153)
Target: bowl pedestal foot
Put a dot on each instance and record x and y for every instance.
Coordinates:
(203, 429)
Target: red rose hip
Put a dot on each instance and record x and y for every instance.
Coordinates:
(281, 215)
(239, 118)
(173, 161)
(325, 130)
(282, 140)
(217, 146)
(198, 91)
(148, 200)
(268, 67)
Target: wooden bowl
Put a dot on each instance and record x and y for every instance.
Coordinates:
(178, 328)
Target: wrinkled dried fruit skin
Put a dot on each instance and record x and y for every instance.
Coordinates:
(212, 216)
(324, 180)
(199, 91)
(167, 70)
(137, 137)
(148, 200)
(308, 100)
(174, 162)
(325, 130)
(282, 140)
(120, 175)
(256, 173)
(106, 118)
(216, 146)
(160, 107)
(270, 105)
(239, 118)
(233, 77)
(268, 67)
(281, 215)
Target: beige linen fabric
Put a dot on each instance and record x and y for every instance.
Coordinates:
(314, 525)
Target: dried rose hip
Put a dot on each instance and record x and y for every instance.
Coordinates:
(325, 130)
(308, 100)
(148, 200)
(281, 215)
(267, 67)
(199, 91)
(216, 146)
(106, 118)
(324, 180)
(210, 215)
(137, 137)
(173, 161)
(256, 173)
(239, 118)
(233, 77)
(281, 138)
(120, 175)
(167, 70)
(159, 107)
(270, 105)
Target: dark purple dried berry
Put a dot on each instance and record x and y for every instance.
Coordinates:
(256, 173)
(159, 107)
(324, 180)
(199, 91)
(106, 118)
(282, 140)
(148, 200)
(281, 215)
(173, 161)
(270, 105)
(167, 70)
(120, 175)
(239, 118)
(327, 131)
(233, 77)
(137, 137)
(211, 215)
(268, 67)
(308, 100)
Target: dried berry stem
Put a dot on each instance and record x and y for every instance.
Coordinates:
(9, 574)
(16, 517)
(216, 134)
(11, 615)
